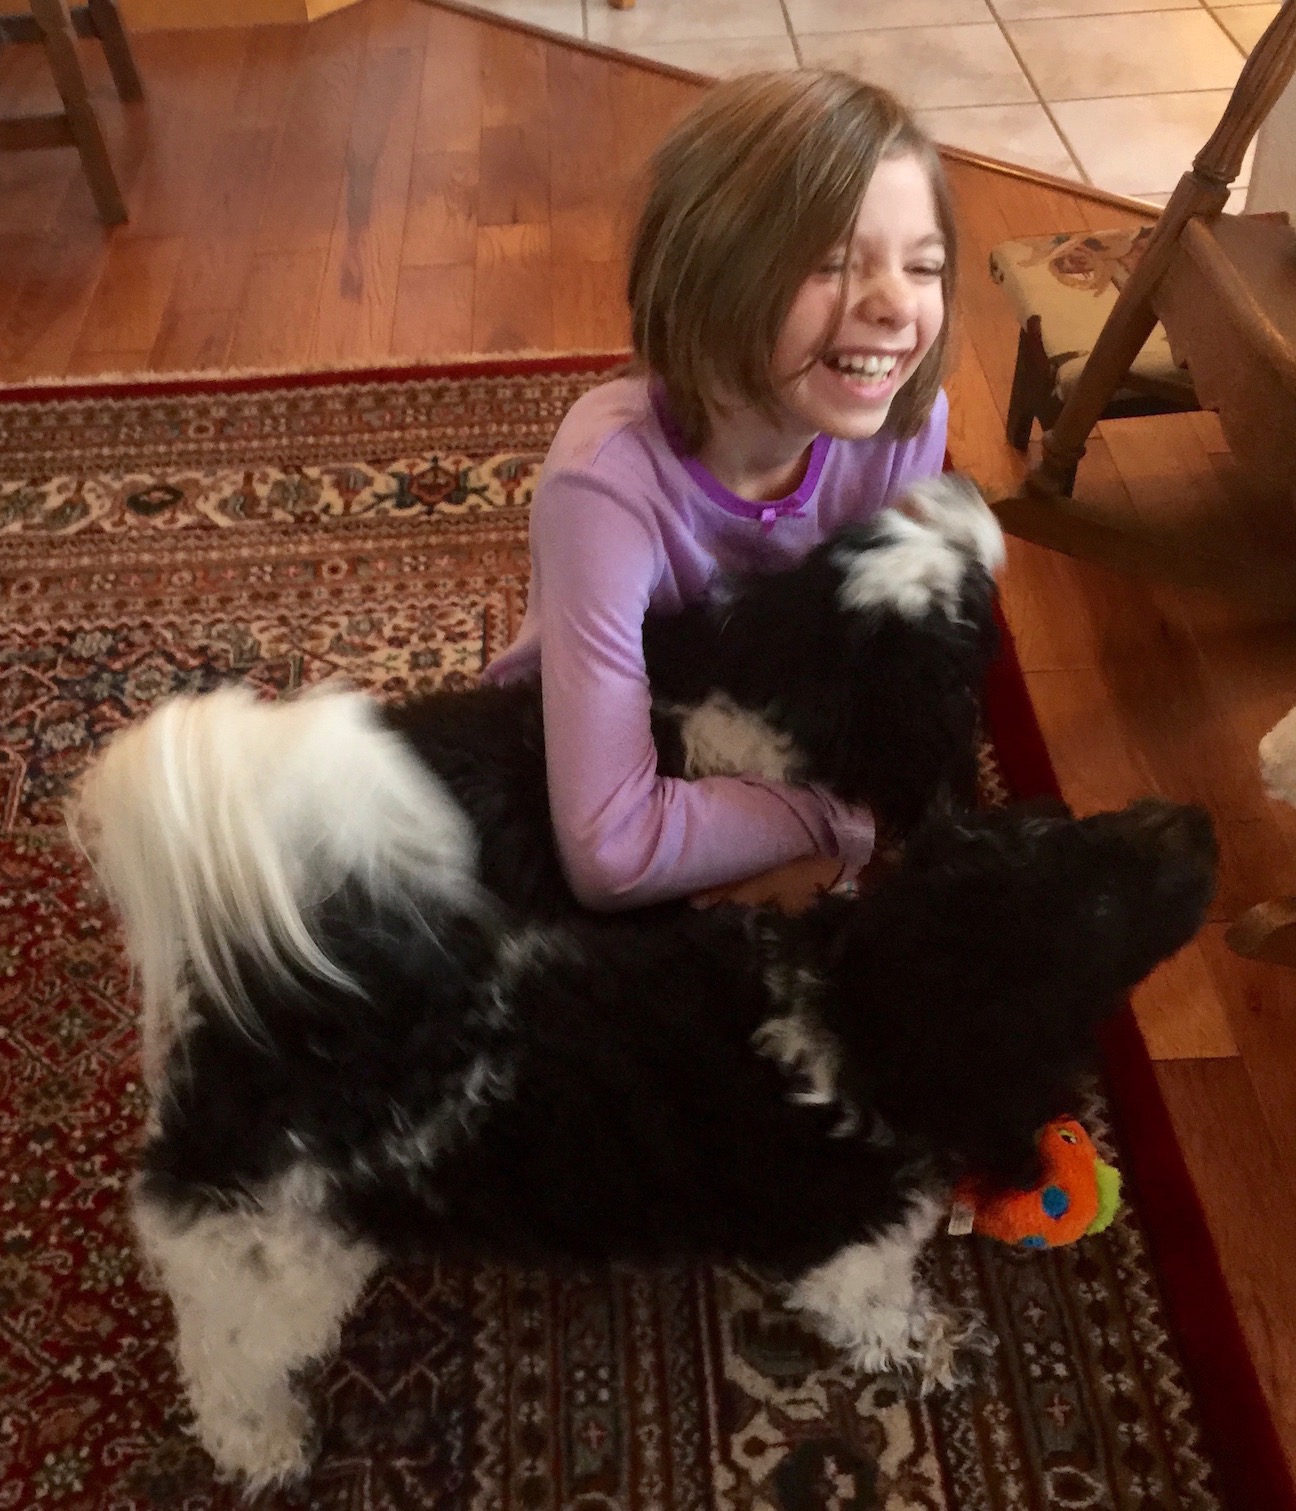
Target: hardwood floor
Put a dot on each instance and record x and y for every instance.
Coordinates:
(396, 181)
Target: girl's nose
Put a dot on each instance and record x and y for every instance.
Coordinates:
(886, 298)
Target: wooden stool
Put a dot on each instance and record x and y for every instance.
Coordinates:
(52, 24)
(1062, 289)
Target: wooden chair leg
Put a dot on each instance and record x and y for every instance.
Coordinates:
(1119, 342)
(108, 28)
(56, 30)
(1021, 401)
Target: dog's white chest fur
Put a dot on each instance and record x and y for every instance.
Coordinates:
(722, 739)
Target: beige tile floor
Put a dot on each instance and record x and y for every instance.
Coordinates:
(1063, 85)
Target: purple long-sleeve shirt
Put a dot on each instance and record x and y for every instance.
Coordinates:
(623, 524)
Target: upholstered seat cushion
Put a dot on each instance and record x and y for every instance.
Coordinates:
(1070, 283)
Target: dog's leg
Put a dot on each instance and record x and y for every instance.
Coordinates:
(867, 1301)
(258, 1293)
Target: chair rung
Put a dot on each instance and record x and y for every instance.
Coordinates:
(35, 131)
(25, 29)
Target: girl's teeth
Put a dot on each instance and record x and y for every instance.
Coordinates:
(868, 367)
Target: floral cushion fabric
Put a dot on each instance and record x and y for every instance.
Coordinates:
(1071, 282)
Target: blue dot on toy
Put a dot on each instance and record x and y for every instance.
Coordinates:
(1054, 1200)
(1034, 1241)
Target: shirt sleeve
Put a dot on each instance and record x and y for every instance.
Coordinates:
(626, 835)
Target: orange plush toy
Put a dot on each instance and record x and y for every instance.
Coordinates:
(1079, 1194)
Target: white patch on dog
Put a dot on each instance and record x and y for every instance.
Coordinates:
(1278, 759)
(722, 739)
(952, 506)
(259, 1292)
(930, 535)
(218, 820)
(866, 1300)
(802, 1047)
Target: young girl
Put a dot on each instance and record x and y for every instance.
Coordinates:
(790, 279)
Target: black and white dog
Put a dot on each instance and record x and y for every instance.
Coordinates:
(361, 1044)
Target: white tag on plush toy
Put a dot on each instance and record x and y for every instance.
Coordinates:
(961, 1219)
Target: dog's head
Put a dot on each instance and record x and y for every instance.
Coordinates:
(981, 968)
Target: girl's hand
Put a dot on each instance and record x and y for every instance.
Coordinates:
(791, 888)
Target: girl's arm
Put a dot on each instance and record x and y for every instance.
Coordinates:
(626, 835)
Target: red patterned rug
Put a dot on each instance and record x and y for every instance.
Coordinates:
(163, 537)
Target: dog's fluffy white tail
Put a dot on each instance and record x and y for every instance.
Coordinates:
(217, 822)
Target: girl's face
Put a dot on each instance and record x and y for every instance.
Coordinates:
(893, 310)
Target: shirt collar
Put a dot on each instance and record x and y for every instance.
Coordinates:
(767, 512)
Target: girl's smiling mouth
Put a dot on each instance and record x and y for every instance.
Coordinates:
(865, 375)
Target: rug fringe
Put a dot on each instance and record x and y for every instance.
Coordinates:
(24, 387)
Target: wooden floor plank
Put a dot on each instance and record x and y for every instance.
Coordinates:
(1181, 1013)
(125, 311)
(40, 332)
(217, 256)
(306, 179)
(275, 316)
(270, 64)
(358, 296)
(451, 89)
(192, 340)
(589, 306)
(589, 215)
(514, 78)
(1245, 1181)
(514, 178)
(512, 292)
(441, 217)
(434, 311)
(192, 81)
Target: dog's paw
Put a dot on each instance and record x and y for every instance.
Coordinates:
(266, 1449)
(950, 1344)
(928, 1346)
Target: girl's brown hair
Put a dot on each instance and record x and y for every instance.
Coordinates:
(743, 200)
